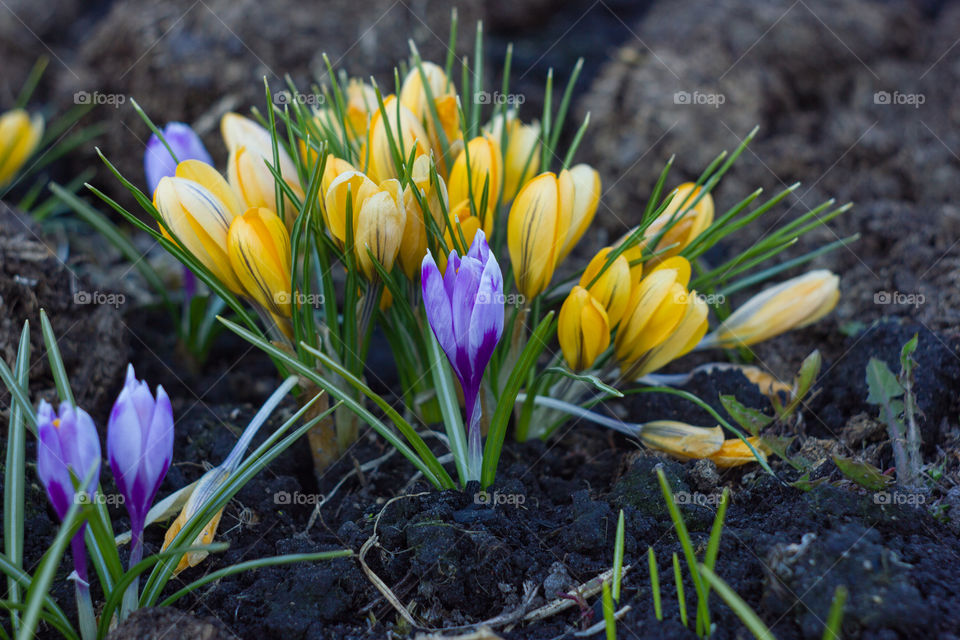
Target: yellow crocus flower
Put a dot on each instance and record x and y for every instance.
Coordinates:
(259, 251)
(486, 171)
(583, 329)
(406, 132)
(537, 227)
(19, 136)
(789, 305)
(198, 206)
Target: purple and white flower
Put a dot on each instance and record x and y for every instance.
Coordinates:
(465, 310)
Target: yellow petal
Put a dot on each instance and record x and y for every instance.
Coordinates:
(681, 439)
(482, 154)
(582, 329)
(522, 157)
(19, 137)
(684, 337)
(613, 287)
(734, 452)
(379, 229)
(645, 301)
(586, 187)
(259, 251)
(406, 132)
(532, 232)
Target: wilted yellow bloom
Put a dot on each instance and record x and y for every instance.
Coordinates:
(521, 160)
(358, 188)
(413, 95)
(198, 206)
(486, 172)
(686, 225)
(251, 148)
(537, 227)
(613, 288)
(582, 329)
(407, 134)
(685, 336)
(413, 246)
(19, 136)
(586, 198)
(655, 309)
(789, 305)
(259, 251)
(379, 228)
(681, 439)
(734, 452)
(202, 492)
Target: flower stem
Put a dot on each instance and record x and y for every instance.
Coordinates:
(88, 621)
(474, 446)
(130, 596)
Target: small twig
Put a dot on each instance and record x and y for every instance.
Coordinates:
(367, 466)
(586, 590)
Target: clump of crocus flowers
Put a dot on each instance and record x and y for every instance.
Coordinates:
(413, 194)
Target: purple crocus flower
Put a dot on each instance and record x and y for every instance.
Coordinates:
(465, 310)
(140, 447)
(186, 145)
(68, 442)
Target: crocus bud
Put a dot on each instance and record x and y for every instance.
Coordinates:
(613, 287)
(19, 136)
(407, 134)
(537, 227)
(586, 198)
(351, 185)
(68, 442)
(413, 96)
(465, 310)
(789, 305)
(251, 148)
(521, 160)
(259, 251)
(685, 336)
(361, 103)
(687, 225)
(198, 205)
(139, 446)
(185, 144)
(682, 440)
(653, 312)
(379, 228)
(582, 329)
(485, 172)
(413, 246)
